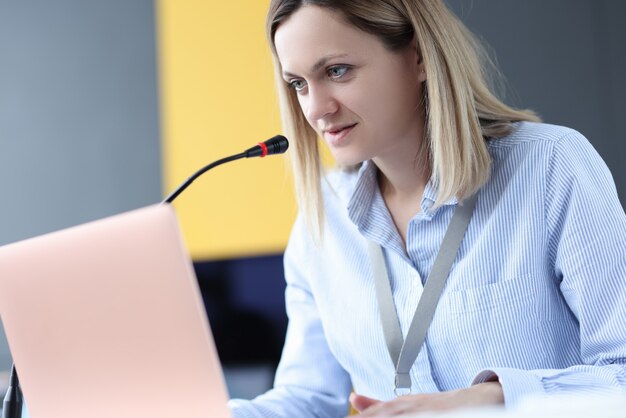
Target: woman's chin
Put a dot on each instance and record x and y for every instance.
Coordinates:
(343, 160)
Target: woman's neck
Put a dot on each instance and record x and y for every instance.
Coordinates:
(402, 180)
(405, 174)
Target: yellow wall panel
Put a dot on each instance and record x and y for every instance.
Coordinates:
(217, 99)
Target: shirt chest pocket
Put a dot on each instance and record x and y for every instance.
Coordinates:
(523, 295)
(489, 325)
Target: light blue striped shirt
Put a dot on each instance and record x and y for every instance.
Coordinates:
(536, 295)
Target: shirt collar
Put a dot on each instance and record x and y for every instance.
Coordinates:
(430, 197)
(364, 192)
(367, 210)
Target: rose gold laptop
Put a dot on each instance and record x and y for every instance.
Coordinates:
(105, 320)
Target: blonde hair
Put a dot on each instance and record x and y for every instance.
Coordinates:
(462, 113)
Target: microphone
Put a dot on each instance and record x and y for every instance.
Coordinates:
(275, 145)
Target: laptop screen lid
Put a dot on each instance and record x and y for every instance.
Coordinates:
(106, 320)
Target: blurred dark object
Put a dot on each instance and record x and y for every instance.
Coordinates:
(244, 299)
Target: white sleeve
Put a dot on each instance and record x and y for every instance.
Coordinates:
(309, 381)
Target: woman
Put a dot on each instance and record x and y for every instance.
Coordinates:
(534, 300)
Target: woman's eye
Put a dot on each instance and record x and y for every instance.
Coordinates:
(297, 85)
(337, 71)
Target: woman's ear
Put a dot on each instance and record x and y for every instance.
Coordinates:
(421, 68)
(422, 73)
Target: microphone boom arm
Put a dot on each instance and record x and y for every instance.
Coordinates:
(276, 145)
(200, 172)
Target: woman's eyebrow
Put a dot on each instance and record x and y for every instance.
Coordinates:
(320, 63)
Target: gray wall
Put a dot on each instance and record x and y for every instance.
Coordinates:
(565, 59)
(78, 101)
(79, 135)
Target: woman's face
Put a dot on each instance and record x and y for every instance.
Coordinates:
(363, 99)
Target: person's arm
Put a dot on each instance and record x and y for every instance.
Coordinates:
(309, 381)
(586, 235)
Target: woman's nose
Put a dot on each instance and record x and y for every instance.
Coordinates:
(320, 103)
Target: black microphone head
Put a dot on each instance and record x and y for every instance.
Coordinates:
(275, 145)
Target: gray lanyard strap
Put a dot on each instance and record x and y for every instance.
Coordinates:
(403, 352)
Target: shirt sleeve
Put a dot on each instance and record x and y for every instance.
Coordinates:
(586, 235)
(309, 381)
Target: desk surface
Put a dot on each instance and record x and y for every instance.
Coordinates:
(613, 406)
(609, 406)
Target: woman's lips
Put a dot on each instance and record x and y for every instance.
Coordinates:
(336, 136)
